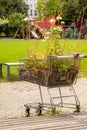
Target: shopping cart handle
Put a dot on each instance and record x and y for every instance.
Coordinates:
(62, 57)
(83, 56)
(69, 56)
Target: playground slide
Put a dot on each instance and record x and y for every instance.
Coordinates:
(35, 34)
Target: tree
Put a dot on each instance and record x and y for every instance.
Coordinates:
(72, 9)
(82, 7)
(7, 7)
(69, 9)
(16, 20)
(47, 8)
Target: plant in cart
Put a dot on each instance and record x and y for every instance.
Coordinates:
(50, 70)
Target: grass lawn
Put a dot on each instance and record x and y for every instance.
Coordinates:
(14, 50)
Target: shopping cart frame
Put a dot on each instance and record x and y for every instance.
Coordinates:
(40, 106)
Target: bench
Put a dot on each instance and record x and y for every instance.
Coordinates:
(8, 67)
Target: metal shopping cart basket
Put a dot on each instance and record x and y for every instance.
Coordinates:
(53, 78)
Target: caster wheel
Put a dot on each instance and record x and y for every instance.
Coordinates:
(27, 112)
(77, 108)
(38, 111)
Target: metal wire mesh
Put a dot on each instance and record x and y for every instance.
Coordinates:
(47, 72)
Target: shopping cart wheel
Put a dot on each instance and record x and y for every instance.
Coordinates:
(77, 108)
(39, 110)
(27, 112)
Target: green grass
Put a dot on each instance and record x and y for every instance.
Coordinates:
(78, 46)
(14, 50)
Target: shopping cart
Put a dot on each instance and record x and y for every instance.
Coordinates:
(55, 79)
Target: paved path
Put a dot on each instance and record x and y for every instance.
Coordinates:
(75, 121)
(13, 96)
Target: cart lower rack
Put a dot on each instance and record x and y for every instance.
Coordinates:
(51, 78)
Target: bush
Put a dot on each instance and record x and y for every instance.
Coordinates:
(16, 20)
(6, 30)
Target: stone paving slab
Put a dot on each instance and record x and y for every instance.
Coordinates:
(13, 96)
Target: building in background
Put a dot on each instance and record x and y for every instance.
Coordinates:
(32, 7)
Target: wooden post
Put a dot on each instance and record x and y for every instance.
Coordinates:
(0, 70)
(16, 33)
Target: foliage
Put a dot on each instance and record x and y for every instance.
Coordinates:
(5, 29)
(13, 50)
(54, 47)
(3, 21)
(72, 9)
(16, 20)
(9, 26)
(8, 7)
(50, 70)
(15, 10)
(69, 9)
(47, 8)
